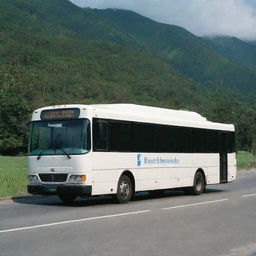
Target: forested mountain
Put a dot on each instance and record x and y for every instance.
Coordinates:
(59, 17)
(235, 49)
(53, 52)
(189, 54)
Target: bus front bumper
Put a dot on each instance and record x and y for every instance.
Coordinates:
(53, 189)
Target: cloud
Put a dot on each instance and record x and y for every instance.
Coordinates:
(201, 17)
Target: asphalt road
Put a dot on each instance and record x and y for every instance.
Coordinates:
(220, 222)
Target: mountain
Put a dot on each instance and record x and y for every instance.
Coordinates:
(52, 35)
(53, 52)
(45, 62)
(191, 55)
(204, 61)
(58, 17)
(235, 49)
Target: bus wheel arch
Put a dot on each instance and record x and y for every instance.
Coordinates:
(130, 175)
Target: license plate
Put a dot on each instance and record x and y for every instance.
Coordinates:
(51, 189)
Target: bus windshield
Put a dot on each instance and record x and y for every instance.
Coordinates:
(60, 137)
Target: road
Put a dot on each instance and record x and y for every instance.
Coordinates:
(220, 222)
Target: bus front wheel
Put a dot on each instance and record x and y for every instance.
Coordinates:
(124, 190)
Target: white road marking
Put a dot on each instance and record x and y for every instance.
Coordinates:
(201, 203)
(115, 215)
(249, 195)
(73, 221)
(249, 249)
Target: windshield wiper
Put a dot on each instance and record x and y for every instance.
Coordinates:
(41, 153)
(64, 151)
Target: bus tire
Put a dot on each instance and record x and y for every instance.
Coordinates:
(67, 199)
(198, 185)
(124, 190)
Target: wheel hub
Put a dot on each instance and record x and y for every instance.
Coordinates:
(198, 184)
(124, 189)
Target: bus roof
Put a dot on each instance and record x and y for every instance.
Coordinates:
(140, 113)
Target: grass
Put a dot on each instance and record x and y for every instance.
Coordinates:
(13, 176)
(13, 172)
(245, 160)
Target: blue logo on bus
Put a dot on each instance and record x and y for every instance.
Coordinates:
(139, 160)
(144, 160)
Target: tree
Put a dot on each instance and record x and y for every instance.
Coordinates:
(16, 102)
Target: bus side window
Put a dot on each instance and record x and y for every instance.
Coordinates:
(100, 135)
(119, 136)
(231, 142)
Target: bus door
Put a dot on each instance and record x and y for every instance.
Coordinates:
(223, 157)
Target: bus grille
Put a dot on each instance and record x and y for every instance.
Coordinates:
(53, 177)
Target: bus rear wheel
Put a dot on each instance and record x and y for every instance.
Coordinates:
(67, 199)
(198, 185)
(124, 190)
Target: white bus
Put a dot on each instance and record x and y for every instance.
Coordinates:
(119, 149)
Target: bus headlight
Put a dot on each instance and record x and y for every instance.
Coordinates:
(33, 179)
(77, 179)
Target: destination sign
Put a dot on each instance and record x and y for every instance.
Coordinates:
(60, 114)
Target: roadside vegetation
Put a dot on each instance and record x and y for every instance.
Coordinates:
(246, 160)
(13, 172)
(13, 176)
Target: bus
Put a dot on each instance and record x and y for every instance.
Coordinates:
(119, 149)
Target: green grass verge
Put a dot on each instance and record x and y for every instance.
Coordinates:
(13, 172)
(245, 160)
(13, 176)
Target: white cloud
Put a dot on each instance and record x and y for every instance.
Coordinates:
(201, 17)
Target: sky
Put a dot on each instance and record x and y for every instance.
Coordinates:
(201, 17)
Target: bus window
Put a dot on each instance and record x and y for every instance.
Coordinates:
(164, 139)
(143, 137)
(100, 135)
(119, 136)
